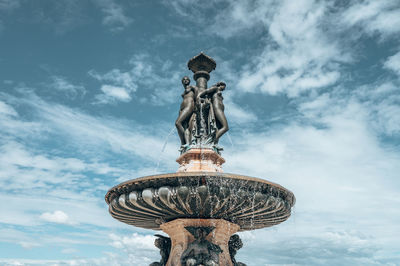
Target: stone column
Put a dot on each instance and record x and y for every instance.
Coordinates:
(181, 238)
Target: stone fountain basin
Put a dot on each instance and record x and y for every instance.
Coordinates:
(150, 201)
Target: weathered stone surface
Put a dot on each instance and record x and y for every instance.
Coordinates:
(200, 160)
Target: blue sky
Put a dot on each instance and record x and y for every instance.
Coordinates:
(90, 90)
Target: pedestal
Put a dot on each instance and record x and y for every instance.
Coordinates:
(200, 160)
(216, 234)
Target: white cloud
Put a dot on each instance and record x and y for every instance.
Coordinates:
(139, 248)
(112, 93)
(393, 63)
(6, 109)
(119, 136)
(387, 116)
(82, 129)
(286, 245)
(35, 171)
(71, 90)
(134, 242)
(382, 100)
(58, 216)
(123, 84)
(114, 15)
(334, 167)
(109, 258)
(242, 16)
(71, 262)
(374, 17)
(29, 245)
(303, 49)
(79, 208)
(287, 63)
(152, 74)
(116, 77)
(25, 166)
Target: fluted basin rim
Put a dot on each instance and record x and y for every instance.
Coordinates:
(150, 201)
(135, 181)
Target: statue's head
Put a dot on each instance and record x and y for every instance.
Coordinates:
(158, 243)
(235, 242)
(221, 85)
(235, 238)
(185, 80)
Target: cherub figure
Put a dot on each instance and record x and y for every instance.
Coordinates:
(183, 123)
(235, 243)
(164, 244)
(201, 251)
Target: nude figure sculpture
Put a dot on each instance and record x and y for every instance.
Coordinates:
(186, 110)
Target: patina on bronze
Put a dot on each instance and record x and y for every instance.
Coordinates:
(200, 207)
(201, 120)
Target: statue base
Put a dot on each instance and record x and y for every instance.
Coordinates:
(199, 241)
(200, 160)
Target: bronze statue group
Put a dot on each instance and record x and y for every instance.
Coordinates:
(201, 121)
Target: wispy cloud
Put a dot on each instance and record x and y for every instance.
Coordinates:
(64, 16)
(6, 109)
(119, 85)
(374, 17)
(61, 16)
(393, 63)
(287, 64)
(7, 5)
(114, 15)
(71, 90)
(65, 189)
(146, 74)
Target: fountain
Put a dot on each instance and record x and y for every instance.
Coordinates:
(200, 207)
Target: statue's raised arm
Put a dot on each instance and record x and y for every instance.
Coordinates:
(208, 92)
